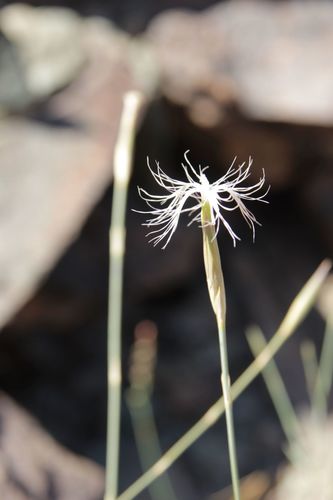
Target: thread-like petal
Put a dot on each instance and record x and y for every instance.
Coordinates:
(226, 194)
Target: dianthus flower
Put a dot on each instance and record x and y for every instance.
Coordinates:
(224, 195)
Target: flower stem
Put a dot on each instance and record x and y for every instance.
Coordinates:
(225, 378)
(122, 170)
(215, 283)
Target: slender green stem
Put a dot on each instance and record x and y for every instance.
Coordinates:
(138, 396)
(295, 315)
(147, 441)
(325, 372)
(275, 385)
(215, 283)
(122, 170)
(225, 378)
(310, 367)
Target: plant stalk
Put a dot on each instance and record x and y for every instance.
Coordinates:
(324, 378)
(215, 283)
(275, 385)
(122, 171)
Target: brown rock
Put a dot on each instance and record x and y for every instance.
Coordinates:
(55, 167)
(33, 465)
(49, 43)
(272, 60)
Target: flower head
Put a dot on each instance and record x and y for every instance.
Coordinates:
(225, 194)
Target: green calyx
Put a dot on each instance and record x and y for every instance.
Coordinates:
(215, 281)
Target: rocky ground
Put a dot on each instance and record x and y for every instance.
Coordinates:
(212, 91)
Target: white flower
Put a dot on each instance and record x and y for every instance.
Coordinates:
(225, 194)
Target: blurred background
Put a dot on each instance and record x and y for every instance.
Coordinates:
(223, 79)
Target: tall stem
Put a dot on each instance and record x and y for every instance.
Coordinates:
(216, 290)
(275, 385)
(225, 378)
(297, 311)
(122, 170)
